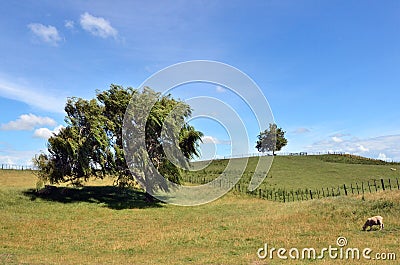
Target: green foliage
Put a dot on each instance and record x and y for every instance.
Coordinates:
(272, 139)
(91, 145)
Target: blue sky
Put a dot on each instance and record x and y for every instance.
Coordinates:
(329, 69)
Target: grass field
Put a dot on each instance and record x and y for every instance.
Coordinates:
(307, 172)
(104, 225)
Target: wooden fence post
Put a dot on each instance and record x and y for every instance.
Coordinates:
(369, 187)
(345, 190)
(390, 185)
(376, 188)
(383, 184)
(352, 189)
(311, 194)
(362, 187)
(398, 187)
(358, 192)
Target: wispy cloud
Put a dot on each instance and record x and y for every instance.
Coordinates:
(21, 158)
(46, 133)
(48, 34)
(376, 147)
(207, 139)
(301, 130)
(32, 97)
(10, 156)
(220, 89)
(69, 24)
(27, 122)
(97, 26)
(337, 139)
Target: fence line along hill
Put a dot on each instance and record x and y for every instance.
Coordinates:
(309, 177)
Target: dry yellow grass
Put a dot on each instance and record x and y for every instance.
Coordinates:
(227, 231)
(17, 178)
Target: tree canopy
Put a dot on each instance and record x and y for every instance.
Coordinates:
(272, 139)
(92, 144)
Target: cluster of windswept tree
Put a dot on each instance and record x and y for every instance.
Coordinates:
(91, 145)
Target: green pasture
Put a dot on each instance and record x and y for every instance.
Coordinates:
(102, 224)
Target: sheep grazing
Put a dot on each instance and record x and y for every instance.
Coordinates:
(376, 220)
(393, 169)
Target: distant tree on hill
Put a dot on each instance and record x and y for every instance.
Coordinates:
(91, 145)
(272, 139)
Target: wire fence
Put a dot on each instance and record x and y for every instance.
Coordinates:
(313, 193)
(16, 167)
(288, 195)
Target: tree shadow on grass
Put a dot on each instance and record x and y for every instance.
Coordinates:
(112, 197)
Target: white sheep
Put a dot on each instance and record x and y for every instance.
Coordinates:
(376, 220)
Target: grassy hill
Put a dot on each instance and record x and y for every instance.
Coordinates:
(307, 172)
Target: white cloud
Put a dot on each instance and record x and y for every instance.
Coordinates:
(69, 24)
(27, 122)
(14, 157)
(388, 145)
(32, 97)
(301, 130)
(340, 134)
(47, 34)
(220, 89)
(362, 148)
(97, 26)
(382, 156)
(207, 139)
(46, 133)
(337, 139)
